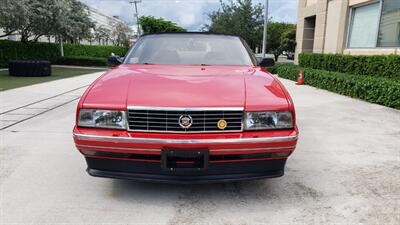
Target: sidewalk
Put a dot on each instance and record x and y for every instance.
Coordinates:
(23, 103)
(80, 67)
(65, 66)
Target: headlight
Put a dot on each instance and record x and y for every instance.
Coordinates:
(102, 118)
(268, 120)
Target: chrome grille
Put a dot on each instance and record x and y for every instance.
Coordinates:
(167, 119)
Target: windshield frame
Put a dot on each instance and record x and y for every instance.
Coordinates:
(250, 53)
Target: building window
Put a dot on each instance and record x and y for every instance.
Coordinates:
(389, 31)
(364, 26)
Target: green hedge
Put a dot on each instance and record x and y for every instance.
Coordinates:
(82, 61)
(287, 71)
(10, 50)
(272, 69)
(382, 66)
(372, 89)
(93, 50)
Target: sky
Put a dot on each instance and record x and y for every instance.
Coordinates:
(190, 14)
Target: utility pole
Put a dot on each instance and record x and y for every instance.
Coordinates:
(265, 28)
(135, 2)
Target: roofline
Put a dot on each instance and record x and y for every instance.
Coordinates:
(194, 32)
(95, 10)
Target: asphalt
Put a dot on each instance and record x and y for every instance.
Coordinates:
(346, 170)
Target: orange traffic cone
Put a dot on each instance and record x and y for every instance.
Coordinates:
(300, 79)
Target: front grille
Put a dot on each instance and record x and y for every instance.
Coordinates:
(160, 120)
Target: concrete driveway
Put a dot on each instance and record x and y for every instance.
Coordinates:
(346, 169)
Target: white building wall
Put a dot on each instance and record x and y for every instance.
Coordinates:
(332, 22)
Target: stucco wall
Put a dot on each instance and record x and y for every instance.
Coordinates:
(355, 2)
(311, 2)
(330, 34)
(372, 51)
(333, 25)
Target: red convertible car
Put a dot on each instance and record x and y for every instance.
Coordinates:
(186, 107)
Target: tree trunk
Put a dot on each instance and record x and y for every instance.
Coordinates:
(24, 35)
(276, 57)
(37, 38)
(24, 38)
(61, 46)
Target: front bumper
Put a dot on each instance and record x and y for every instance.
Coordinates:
(150, 171)
(233, 156)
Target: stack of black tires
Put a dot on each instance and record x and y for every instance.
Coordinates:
(29, 68)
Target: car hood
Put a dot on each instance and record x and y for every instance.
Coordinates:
(186, 86)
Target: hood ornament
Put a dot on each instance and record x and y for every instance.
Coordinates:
(185, 121)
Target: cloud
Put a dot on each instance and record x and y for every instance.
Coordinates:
(190, 14)
(283, 10)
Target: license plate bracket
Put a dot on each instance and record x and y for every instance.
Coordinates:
(184, 160)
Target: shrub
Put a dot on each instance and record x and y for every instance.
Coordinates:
(93, 50)
(272, 69)
(12, 50)
(380, 65)
(372, 89)
(82, 61)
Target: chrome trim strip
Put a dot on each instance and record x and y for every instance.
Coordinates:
(183, 141)
(186, 132)
(250, 149)
(186, 109)
(118, 148)
(195, 109)
(91, 147)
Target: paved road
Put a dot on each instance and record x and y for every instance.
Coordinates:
(346, 169)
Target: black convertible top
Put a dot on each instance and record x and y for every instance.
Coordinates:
(191, 32)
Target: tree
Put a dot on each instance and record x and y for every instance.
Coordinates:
(288, 39)
(240, 18)
(102, 33)
(15, 17)
(275, 32)
(68, 19)
(121, 34)
(150, 24)
(90, 36)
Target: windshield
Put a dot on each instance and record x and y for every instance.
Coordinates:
(190, 49)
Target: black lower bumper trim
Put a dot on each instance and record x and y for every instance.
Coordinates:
(180, 179)
(216, 172)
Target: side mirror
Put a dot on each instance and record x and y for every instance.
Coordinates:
(115, 60)
(267, 62)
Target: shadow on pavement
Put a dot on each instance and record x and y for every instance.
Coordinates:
(255, 189)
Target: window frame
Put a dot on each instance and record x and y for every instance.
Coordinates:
(250, 53)
(350, 24)
(380, 23)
